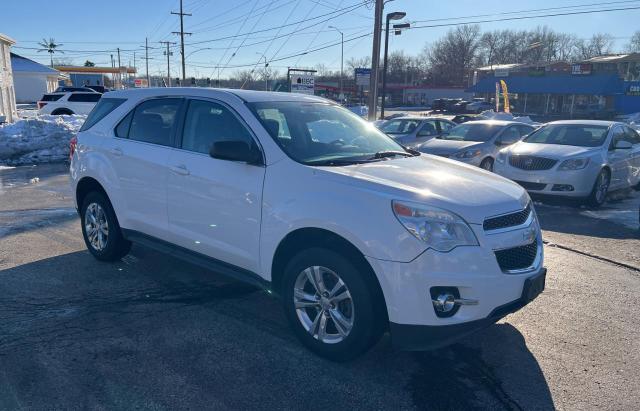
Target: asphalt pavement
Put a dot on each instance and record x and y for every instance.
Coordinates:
(152, 332)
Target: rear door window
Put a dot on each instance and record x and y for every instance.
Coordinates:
(51, 97)
(153, 121)
(84, 97)
(101, 110)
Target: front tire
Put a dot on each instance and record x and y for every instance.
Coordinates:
(329, 305)
(100, 229)
(600, 189)
(487, 164)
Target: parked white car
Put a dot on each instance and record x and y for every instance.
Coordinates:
(356, 234)
(68, 103)
(581, 159)
(477, 142)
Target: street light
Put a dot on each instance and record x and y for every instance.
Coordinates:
(341, 59)
(266, 77)
(194, 52)
(397, 15)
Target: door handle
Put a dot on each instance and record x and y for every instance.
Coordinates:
(116, 151)
(180, 169)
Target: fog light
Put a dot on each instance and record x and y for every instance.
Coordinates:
(446, 301)
(562, 187)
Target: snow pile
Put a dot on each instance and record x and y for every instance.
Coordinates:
(624, 211)
(40, 139)
(492, 115)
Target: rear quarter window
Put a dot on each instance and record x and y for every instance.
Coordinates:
(51, 97)
(101, 110)
(84, 97)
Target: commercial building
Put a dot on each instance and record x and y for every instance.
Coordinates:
(596, 88)
(31, 79)
(8, 111)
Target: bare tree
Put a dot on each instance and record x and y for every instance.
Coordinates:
(452, 57)
(599, 44)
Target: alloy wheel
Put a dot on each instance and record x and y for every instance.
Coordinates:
(602, 187)
(96, 226)
(323, 304)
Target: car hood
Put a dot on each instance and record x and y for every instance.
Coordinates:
(446, 147)
(468, 191)
(555, 151)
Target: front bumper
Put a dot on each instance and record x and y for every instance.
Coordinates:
(424, 337)
(546, 181)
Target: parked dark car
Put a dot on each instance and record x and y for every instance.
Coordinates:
(460, 106)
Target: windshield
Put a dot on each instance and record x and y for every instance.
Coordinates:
(472, 132)
(399, 126)
(323, 134)
(569, 135)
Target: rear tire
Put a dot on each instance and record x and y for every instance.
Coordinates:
(330, 306)
(100, 229)
(600, 189)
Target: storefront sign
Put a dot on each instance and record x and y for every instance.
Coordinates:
(633, 90)
(581, 69)
(363, 76)
(501, 73)
(302, 83)
(140, 82)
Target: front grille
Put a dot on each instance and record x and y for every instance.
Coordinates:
(507, 220)
(531, 162)
(531, 186)
(517, 258)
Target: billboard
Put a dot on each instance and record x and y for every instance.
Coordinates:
(302, 83)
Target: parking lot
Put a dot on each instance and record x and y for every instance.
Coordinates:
(154, 332)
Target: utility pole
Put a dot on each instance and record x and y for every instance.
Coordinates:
(113, 75)
(181, 33)
(375, 61)
(168, 54)
(119, 72)
(146, 58)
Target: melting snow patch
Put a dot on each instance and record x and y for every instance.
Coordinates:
(40, 139)
(624, 212)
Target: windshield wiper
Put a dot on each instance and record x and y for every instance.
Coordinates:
(391, 153)
(337, 162)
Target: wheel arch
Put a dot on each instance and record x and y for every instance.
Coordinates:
(87, 185)
(303, 238)
(62, 111)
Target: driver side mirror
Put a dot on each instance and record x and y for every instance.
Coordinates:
(623, 145)
(236, 151)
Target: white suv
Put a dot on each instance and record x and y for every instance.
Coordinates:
(355, 233)
(68, 103)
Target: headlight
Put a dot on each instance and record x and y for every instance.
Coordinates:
(574, 164)
(439, 229)
(468, 153)
(502, 156)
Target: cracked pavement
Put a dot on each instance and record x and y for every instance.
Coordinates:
(152, 332)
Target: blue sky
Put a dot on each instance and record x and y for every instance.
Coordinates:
(93, 30)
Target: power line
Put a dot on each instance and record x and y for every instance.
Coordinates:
(524, 17)
(342, 11)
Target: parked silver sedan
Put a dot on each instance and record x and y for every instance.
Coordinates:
(477, 142)
(411, 131)
(580, 158)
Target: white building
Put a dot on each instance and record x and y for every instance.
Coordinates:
(7, 97)
(31, 79)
